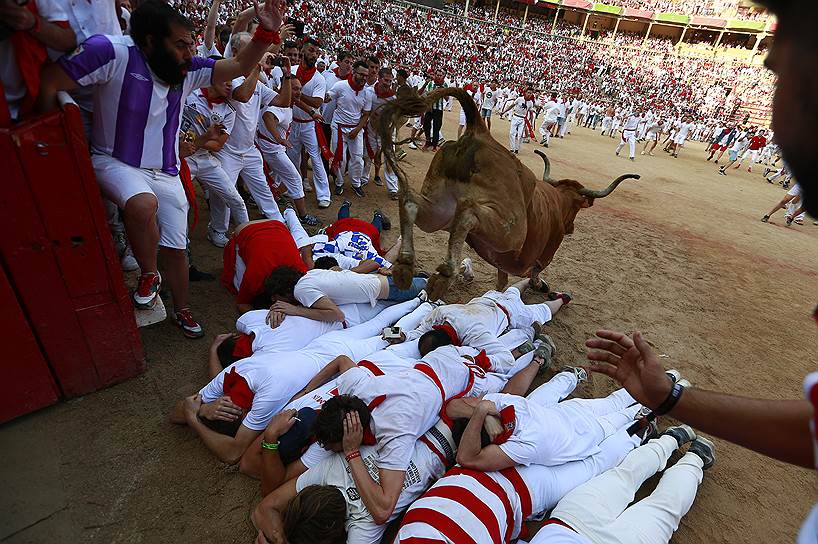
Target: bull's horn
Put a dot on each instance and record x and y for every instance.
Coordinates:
(590, 193)
(546, 175)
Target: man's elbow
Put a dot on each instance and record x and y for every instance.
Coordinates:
(381, 517)
(231, 456)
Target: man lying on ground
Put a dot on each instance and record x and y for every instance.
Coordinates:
(231, 411)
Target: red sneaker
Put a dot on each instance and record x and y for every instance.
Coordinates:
(190, 328)
(147, 290)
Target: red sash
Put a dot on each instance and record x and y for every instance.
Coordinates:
(338, 155)
(369, 151)
(190, 191)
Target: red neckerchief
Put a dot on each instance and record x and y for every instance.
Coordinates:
(243, 346)
(236, 387)
(209, 101)
(482, 360)
(383, 95)
(449, 330)
(304, 75)
(355, 87)
(508, 420)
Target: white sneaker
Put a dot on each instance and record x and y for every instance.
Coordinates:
(218, 239)
(324, 204)
(307, 186)
(412, 145)
(466, 269)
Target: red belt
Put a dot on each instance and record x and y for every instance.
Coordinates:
(505, 311)
(338, 156)
(555, 521)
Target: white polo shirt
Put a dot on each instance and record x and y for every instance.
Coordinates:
(342, 287)
(316, 87)
(349, 103)
(266, 141)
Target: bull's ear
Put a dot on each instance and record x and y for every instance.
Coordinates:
(587, 202)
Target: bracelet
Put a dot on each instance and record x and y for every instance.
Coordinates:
(352, 455)
(266, 36)
(671, 400)
(272, 446)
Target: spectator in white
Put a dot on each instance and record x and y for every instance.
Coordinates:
(681, 135)
(207, 112)
(306, 130)
(209, 46)
(353, 106)
(629, 134)
(140, 86)
(522, 115)
(549, 120)
(339, 73)
(319, 291)
(33, 32)
(382, 92)
(273, 143)
(240, 156)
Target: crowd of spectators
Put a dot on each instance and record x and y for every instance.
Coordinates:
(479, 50)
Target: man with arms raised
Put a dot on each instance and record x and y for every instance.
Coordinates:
(141, 82)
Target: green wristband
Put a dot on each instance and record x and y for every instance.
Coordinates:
(273, 446)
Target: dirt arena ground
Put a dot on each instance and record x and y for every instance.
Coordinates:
(680, 254)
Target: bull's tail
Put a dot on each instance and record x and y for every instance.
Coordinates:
(392, 115)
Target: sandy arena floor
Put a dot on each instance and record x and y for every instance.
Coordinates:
(680, 254)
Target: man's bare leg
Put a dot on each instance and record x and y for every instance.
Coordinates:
(139, 217)
(176, 271)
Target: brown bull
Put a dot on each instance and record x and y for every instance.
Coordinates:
(484, 196)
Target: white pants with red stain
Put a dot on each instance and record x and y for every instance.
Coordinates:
(352, 156)
(303, 134)
(598, 510)
(516, 132)
(629, 137)
(250, 166)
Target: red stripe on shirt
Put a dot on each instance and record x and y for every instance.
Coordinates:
(465, 497)
(491, 485)
(439, 521)
(516, 480)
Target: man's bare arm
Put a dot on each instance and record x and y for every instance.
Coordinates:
(244, 92)
(210, 29)
(268, 514)
(228, 449)
(776, 428)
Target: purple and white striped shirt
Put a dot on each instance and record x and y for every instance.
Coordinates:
(136, 116)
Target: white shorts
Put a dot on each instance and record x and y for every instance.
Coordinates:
(119, 182)
(679, 141)
(795, 190)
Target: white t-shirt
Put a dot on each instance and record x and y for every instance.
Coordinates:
(342, 287)
(266, 142)
(546, 436)
(550, 109)
(631, 123)
(203, 51)
(243, 137)
(328, 109)
(423, 470)
(684, 130)
(274, 79)
(316, 87)
(522, 107)
(349, 103)
(489, 98)
(13, 84)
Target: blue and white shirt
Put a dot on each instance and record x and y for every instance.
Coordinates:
(349, 249)
(137, 116)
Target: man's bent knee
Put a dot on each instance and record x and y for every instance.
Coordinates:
(141, 206)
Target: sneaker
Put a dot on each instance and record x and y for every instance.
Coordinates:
(377, 181)
(386, 223)
(632, 159)
(682, 433)
(466, 269)
(705, 449)
(749, 169)
(525, 347)
(128, 261)
(423, 296)
(393, 196)
(339, 190)
(400, 154)
(649, 432)
(412, 145)
(310, 220)
(674, 375)
(799, 221)
(765, 219)
(190, 328)
(642, 153)
(651, 154)
(617, 153)
(544, 354)
(579, 372)
(566, 298)
(324, 204)
(147, 290)
(789, 221)
(218, 239)
(307, 186)
(684, 383)
(359, 192)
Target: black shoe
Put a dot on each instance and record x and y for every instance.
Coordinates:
(194, 274)
(377, 181)
(682, 433)
(705, 449)
(339, 190)
(386, 223)
(765, 219)
(358, 191)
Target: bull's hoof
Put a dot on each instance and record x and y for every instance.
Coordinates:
(403, 272)
(437, 286)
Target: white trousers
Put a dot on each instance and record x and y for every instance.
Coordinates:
(522, 314)
(389, 177)
(599, 508)
(208, 170)
(545, 130)
(284, 171)
(303, 134)
(516, 132)
(628, 136)
(251, 168)
(752, 154)
(353, 156)
(606, 124)
(297, 230)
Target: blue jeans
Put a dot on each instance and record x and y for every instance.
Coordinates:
(343, 213)
(402, 295)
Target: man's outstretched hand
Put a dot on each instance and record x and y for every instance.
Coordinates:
(631, 362)
(271, 14)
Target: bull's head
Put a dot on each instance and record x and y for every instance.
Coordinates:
(577, 196)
